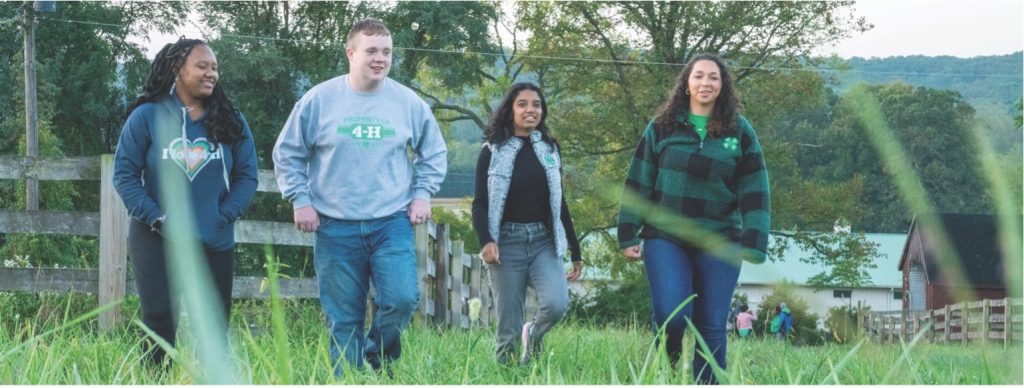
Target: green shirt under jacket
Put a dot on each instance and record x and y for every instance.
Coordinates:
(720, 183)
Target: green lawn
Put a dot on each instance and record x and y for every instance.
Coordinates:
(575, 354)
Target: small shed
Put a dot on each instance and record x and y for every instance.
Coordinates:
(975, 239)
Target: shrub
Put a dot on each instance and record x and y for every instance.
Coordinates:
(623, 304)
(842, 324)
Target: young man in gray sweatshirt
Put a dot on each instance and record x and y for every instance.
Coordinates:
(343, 161)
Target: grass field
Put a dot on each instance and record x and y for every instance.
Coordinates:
(54, 348)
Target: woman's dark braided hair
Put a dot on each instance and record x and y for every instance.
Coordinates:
(222, 119)
(723, 117)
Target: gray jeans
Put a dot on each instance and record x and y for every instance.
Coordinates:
(528, 257)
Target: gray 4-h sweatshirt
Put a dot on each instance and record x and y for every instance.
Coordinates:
(359, 156)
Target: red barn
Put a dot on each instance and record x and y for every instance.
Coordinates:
(975, 239)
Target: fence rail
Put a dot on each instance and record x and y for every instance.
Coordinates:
(448, 276)
(983, 321)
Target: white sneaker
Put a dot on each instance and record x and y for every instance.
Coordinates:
(525, 357)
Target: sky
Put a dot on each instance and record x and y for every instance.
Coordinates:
(955, 28)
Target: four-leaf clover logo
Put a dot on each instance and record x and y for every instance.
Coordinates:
(731, 143)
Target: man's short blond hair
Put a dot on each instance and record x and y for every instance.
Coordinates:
(368, 26)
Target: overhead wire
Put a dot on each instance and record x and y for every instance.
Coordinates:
(577, 59)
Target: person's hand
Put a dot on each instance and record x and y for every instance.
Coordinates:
(490, 253)
(632, 253)
(419, 211)
(306, 219)
(577, 270)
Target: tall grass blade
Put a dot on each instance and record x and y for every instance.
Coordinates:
(1008, 214)
(283, 362)
(910, 187)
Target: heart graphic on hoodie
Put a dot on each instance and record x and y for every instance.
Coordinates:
(191, 156)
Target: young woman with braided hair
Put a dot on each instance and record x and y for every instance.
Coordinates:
(184, 136)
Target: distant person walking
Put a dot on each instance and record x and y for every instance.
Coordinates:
(698, 159)
(782, 324)
(745, 321)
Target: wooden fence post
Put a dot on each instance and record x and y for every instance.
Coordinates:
(903, 325)
(475, 288)
(442, 279)
(985, 316)
(947, 333)
(965, 326)
(113, 245)
(1007, 323)
(934, 328)
(917, 325)
(422, 239)
(486, 301)
(892, 329)
(458, 316)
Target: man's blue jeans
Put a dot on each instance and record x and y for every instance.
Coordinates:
(347, 254)
(674, 273)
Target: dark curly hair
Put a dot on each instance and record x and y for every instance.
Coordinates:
(501, 127)
(222, 119)
(723, 117)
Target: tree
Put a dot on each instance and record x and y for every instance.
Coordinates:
(932, 127)
(85, 74)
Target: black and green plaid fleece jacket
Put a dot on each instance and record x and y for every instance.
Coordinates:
(720, 183)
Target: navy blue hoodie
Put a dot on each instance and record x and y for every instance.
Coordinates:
(222, 178)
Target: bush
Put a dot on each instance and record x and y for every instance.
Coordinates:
(805, 324)
(842, 324)
(44, 309)
(460, 226)
(625, 304)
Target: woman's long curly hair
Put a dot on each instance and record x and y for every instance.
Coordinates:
(723, 117)
(501, 127)
(222, 119)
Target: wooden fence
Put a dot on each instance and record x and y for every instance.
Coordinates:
(983, 321)
(449, 277)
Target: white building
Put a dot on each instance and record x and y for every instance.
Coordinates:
(885, 292)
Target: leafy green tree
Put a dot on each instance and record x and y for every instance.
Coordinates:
(81, 96)
(932, 127)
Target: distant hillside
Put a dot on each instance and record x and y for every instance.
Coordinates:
(993, 79)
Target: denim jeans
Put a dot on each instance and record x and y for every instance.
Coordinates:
(347, 254)
(674, 273)
(528, 257)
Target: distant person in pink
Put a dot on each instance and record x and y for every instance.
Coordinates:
(745, 321)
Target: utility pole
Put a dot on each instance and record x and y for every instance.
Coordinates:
(31, 113)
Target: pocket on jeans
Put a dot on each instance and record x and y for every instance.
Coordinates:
(325, 220)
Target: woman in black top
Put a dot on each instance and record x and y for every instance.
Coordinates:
(517, 203)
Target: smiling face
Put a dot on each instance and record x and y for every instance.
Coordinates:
(704, 85)
(369, 58)
(527, 112)
(198, 76)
